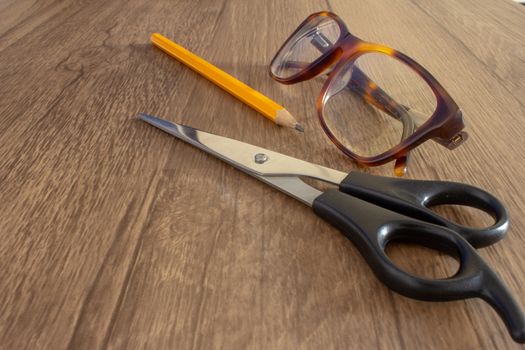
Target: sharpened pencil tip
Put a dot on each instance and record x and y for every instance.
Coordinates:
(299, 127)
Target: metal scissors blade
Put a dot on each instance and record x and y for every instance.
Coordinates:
(276, 169)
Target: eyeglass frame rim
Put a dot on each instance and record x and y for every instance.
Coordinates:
(445, 123)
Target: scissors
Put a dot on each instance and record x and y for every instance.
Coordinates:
(372, 211)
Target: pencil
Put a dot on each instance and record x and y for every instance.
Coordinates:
(264, 105)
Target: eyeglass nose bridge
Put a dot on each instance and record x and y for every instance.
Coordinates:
(322, 64)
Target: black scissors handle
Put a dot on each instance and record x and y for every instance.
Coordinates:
(371, 228)
(414, 197)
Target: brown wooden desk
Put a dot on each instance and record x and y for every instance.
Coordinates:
(113, 234)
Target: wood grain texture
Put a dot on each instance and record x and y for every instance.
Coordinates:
(115, 235)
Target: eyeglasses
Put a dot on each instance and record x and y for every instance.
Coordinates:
(377, 103)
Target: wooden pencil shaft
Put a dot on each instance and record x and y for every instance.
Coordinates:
(243, 92)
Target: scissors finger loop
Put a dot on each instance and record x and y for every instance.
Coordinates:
(414, 197)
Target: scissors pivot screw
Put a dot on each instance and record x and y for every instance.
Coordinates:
(260, 158)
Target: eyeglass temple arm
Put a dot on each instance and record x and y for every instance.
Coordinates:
(378, 97)
(367, 89)
(373, 94)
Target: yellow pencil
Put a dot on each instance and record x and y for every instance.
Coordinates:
(270, 109)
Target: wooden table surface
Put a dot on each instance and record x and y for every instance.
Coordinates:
(114, 234)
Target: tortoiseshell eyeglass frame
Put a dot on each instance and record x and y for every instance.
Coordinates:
(444, 126)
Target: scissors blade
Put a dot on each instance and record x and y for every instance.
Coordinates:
(275, 169)
(249, 158)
